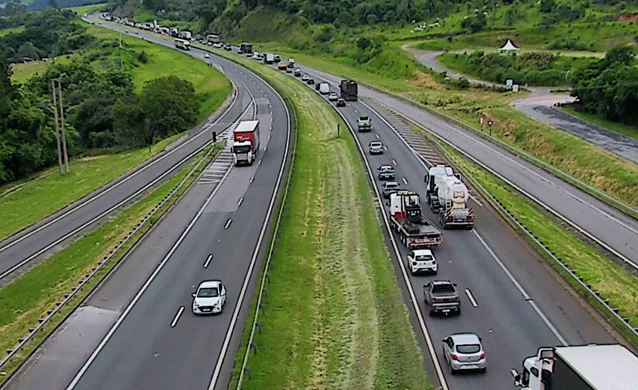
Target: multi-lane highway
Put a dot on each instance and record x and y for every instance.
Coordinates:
(510, 297)
(51, 233)
(137, 330)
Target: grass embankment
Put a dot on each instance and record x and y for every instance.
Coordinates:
(51, 280)
(333, 316)
(590, 164)
(26, 202)
(606, 277)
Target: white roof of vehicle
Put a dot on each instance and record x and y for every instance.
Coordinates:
(604, 367)
(246, 126)
(209, 283)
(422, 252)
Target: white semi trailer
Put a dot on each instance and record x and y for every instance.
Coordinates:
(447, 195)
(587, 367)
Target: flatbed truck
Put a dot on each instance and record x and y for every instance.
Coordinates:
(406, 219)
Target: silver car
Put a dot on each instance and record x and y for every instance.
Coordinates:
(376, 147)
(464, 351)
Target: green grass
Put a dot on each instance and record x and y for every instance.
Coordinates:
(48, 282)
(24, 71)
(629, 131)
(211, 87)
(89, 9)
(333, 317)
(27, 201)
(605, 276)
(7, 31)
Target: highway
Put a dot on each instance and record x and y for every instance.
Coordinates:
(137, 330)
(611, 227)
(51, 234)
(516, 305)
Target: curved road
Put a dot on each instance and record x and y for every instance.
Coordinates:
(539, 105)
(520, 302)
(137, 330)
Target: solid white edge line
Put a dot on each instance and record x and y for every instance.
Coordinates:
(471, 297)
(208, 259)
(84, 203)
(179, 314)
(413, 299)
(242, 294)
(520, 288)
(139, 294)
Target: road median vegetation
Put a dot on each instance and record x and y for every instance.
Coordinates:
(334, 316)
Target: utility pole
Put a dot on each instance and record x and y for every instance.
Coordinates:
(63, 158)
(57, 129)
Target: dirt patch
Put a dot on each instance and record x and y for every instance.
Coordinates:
(425, 80)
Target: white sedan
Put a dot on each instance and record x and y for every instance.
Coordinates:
(209, 298)
(206, 55)
(333, 97)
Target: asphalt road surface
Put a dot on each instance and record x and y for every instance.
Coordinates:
(539, 105)
(156, 342)
(50, 234)
(520, 304)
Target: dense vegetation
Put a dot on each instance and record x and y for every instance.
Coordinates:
(533, 68)
(101, 107)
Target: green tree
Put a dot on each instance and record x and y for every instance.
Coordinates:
(169, 106)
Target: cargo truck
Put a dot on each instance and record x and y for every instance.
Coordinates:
(246, 48)
(269, 58)
(407, 220)
(348, 90)
(587, 367)
(245, 142)
(182, 44)
(447, 195)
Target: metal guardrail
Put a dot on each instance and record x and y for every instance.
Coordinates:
(513, 149)
(101, 264)
(546, 250)
(250, 345)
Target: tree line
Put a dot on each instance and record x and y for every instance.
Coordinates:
(101, 107)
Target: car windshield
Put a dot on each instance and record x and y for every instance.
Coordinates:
(424, 258)
(391, 186)
(242, 149)
(386, 168)
(375, 145)
(443, 289)
(468, 348)
(208, 292)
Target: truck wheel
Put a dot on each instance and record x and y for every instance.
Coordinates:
(431, 312)
(458, 312)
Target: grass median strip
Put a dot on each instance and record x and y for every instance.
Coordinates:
(606, 277)
(48, 283)
(333, 316)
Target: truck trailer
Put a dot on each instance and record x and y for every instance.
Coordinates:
(182, 44)
(269, 58)
(245, 142)
(587, 367)
(406, 219)
(348, 89)
(246, 48)
(447, 195)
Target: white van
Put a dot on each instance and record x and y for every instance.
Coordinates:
(324, 88)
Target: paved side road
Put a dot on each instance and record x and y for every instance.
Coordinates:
(539, 105)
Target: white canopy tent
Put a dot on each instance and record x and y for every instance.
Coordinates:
(508, 47)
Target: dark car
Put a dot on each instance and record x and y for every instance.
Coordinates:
(389, 188)
(297, 73)
(317, 86)
(386, 172)
(341, 102)
(441, 297)
(311, 81)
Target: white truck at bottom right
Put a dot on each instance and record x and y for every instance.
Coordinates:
(587, 367)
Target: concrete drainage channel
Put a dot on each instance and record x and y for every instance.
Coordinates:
(416, 142)
(74, 296)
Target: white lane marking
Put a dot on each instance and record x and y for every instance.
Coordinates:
(179, 314)
(520, 288)
(259, 163)
(266, 148)
(240, 300)
(474, 198)
(377, 135)
(251, 179)
(207, 262)
(394, 161)
(471, 297)
(240, 201)
(230, 220)
(137, 297)
(404, 180)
